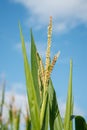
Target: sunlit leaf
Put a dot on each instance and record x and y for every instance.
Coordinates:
(34, 68)
(69, 106)
(32, 99)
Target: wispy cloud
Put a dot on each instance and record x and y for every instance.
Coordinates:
(18, 46)
(77, 109)
(20, 99)
(18, 87)
(2, 75)
(66, 13)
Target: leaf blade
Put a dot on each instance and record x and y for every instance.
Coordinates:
(34, 68)
(55, 118)
(80, 123)
(32, 100)
(69, 109)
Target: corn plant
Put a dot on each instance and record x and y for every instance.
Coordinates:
(42, 101)
(43, 111)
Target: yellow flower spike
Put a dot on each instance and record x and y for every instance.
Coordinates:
(42, 71)
(48, 50)
(39, 78)
(54, 61)
(52, 65)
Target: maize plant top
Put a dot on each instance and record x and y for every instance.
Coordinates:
(42, 111)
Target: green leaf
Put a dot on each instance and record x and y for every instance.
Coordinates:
(32, 99)
(80, 123)
(69, 106)
(55, 118)
(34, 68)
(72, 116)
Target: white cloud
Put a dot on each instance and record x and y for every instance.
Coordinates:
(18, 46)
(66, 13)
(18, 87)
(2, 76)
(77, 109)
(20, 100)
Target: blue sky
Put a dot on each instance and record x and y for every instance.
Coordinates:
(69, 36)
